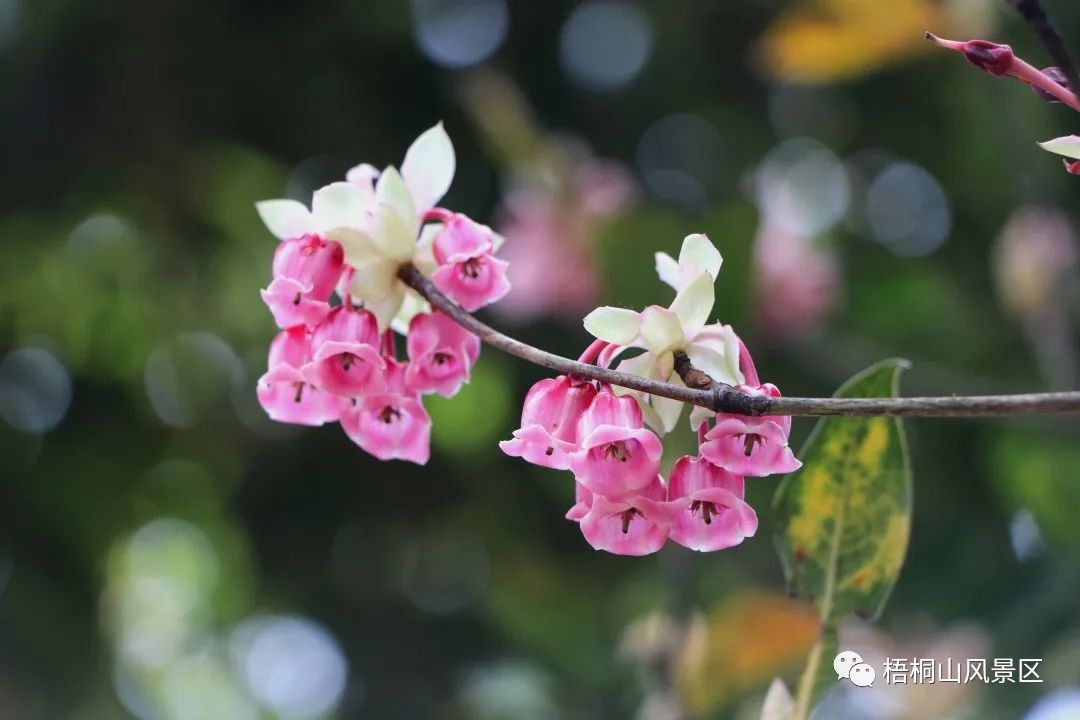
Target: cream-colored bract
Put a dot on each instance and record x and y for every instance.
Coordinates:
(681, 327)
(376, 217)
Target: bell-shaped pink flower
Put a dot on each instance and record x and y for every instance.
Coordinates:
(473, 283)
(290, 306)
(617, 456)
(392, 424)
(284, 393)
(549, 419)
(345, 356)
(468, 271)
(441, 354)
(635, 525)
(707, 505)
(753, 446)
(311, 260)
(306, 269)
(462, 238)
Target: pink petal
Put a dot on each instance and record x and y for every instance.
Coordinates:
(617, 461)
(291, 306)
(712, 519)
(639, 527)
(390, 427)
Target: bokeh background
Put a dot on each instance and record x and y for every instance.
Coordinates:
(166, 552)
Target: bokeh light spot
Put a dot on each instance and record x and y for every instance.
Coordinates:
(680, 157)
(291, 665)
(459, 33)
(189, 375)
(35, 390)
(907, 211)
(445, 573)
(802, 187)
(605, 44)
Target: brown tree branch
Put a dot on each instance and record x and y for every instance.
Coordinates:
(702, 390)
(1033, 13)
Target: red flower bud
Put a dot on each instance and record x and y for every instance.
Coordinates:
(992, 57)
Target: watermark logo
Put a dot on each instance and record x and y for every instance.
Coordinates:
(849, 665)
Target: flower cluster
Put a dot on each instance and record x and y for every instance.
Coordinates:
(338, 300)
(599, 433)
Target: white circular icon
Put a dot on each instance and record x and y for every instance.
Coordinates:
(844, 662)
(862, 675)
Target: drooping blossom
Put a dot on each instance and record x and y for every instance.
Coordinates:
(549, 420)
(345, 358)
(637, 524)
(375, 216)
(392, 424)
(305, 271)
(284, 393)
(337, 360)
(616, 455)
(707, 506)
(441, 354)
(756, 447)
(468, 271)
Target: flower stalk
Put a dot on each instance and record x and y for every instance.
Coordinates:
(702, 390)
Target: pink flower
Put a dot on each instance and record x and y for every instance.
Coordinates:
(798, 281)
(391, 424)
(549, 421)
(345, 358)
(287, 302)
(617, 457)
(635, 525)
(461, 238)
(468, 271)
(707, 506)
(442, 352)
(311, 260)
(754, 446)
(284, 393)
(306, 269)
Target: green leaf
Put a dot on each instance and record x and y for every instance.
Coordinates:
(846, 515)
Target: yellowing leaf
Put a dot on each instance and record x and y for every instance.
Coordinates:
(846, 517)
(847, 512)
(820, 41)
(741, 644)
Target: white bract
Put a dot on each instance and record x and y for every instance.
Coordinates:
(1067, 145)
(376, 217)
(660, 331)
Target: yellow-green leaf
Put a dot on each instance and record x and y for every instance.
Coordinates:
(846, 515)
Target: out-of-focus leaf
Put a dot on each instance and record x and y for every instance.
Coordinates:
(846, 515)
(821, 41)
(778, 702)
(740, 644)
